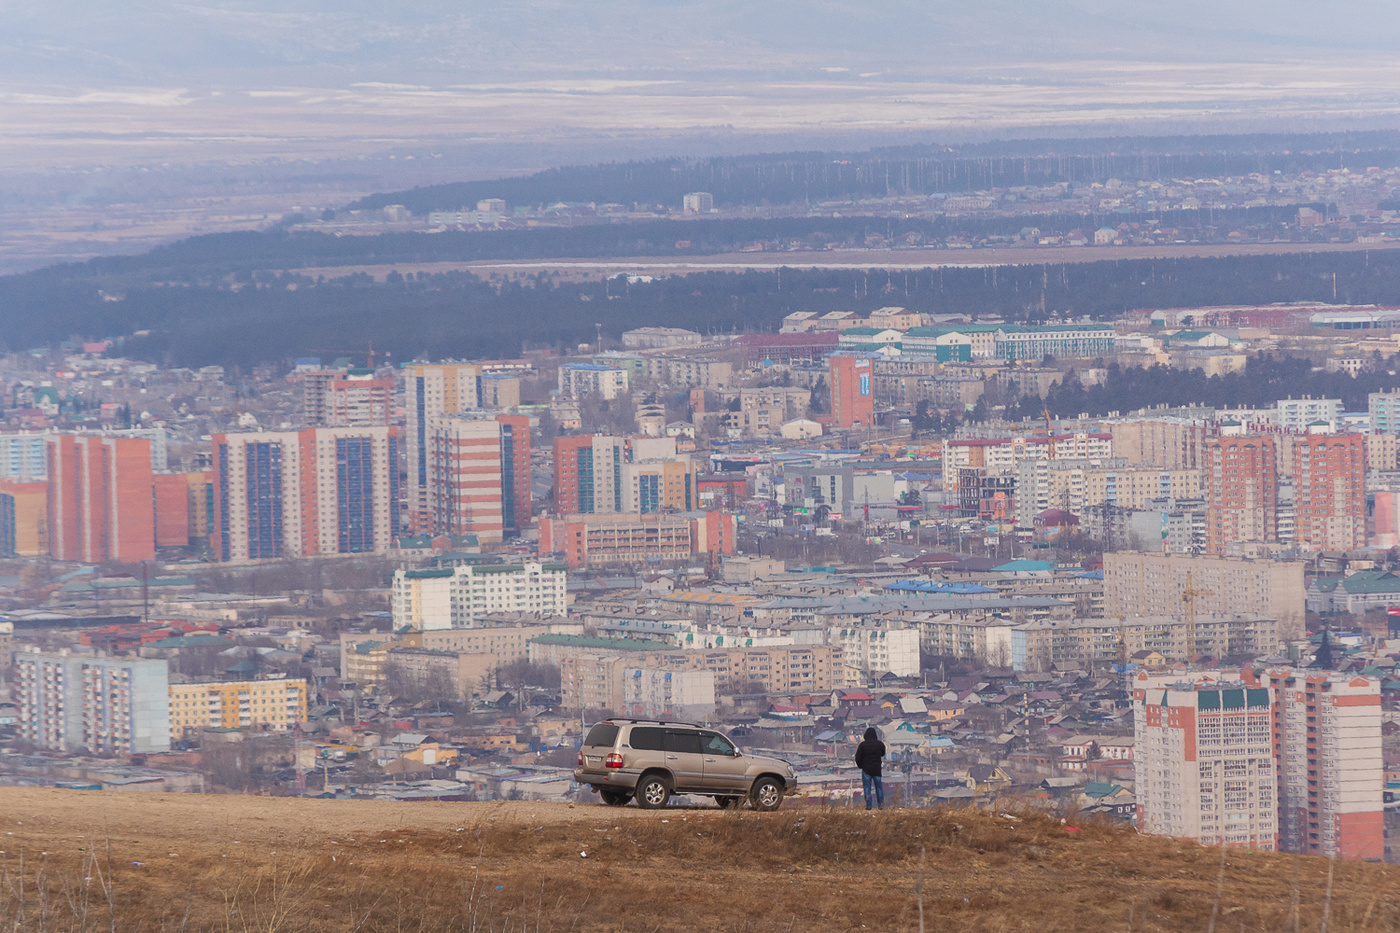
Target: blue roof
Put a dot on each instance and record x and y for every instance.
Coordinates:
(592, 367)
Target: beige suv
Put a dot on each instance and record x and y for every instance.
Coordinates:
(651, 760)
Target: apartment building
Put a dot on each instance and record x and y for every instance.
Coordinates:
(314, 492)
(1166, 442)
(1139, 584)
(478, 476)
(1204, 759)
(657, 693)
(430, 390)
(1041, 645)
(100, 499)
(1383, 409)
(1330, 765)
(852, 392)
(636, 537)
(456, 597)
(1329, 482)
(274, 705)
(579, 379)
(346, 398)
(593, 671)
(691, 372)
(112, 706)
(877, 649)
(1012, 342)
(1297, 415)
(1075, 485)
(1241, 486)
(7, 649)
(24, 518)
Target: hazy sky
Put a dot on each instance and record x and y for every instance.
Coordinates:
(331, 43)
(128, 80)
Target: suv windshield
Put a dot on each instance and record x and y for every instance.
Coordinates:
(604, 733)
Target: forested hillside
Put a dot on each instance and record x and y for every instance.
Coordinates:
(247, 317)
(809, 177)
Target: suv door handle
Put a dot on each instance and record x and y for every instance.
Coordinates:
(670, 757)
(710, 760)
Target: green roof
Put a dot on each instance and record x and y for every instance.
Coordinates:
(427, 574)
(189, 641)
(1371, 581)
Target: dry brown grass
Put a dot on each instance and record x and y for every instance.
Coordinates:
(322, 866)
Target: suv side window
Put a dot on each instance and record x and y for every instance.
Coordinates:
(604, 733)
(716, 744)
(688, 742)
(645, 739)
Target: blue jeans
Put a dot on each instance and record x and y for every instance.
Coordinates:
(874, 789)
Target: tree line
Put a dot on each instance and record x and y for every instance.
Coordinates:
(270, 316)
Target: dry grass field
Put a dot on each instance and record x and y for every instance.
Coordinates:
(85, 861)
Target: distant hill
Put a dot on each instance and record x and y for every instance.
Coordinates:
(812, 177)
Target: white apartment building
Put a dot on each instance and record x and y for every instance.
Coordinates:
(101, 705)
(657, 693)
(431, 600)
(1331, 769)
(1384, 411)
(1295, 414)
(431, 389)
(875, 649)
(1204, 758)
(465, 493)
(306, 493)
(579, 379)
(1139, 584)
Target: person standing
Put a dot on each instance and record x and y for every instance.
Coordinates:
(869, 755)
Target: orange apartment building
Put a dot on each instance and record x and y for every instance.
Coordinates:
(1329, 478)
(636, 538)
(100, 499)
(1241, 490)
(852, 396)
(24, 519)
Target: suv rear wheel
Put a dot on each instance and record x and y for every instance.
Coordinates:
(767, 794)
(652, 792)
(614, 798)
(728, 803)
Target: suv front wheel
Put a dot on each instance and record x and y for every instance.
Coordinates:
(652, 792)
(767, 794)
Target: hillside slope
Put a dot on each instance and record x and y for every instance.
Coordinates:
(249, 863)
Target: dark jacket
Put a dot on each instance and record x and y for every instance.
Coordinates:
(870, 752)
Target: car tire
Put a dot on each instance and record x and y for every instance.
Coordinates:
(653, 792)
(728, 803)
(767, 794)
(614, 798)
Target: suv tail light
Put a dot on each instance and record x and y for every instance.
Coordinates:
(580, 759)
(613, 761)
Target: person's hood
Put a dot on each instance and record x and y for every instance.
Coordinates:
(871, 735)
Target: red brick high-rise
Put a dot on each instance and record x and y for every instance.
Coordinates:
(1329, 476)
(1241, 491)
(852, 393)
(101, 504)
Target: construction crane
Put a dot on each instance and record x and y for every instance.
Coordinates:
(1188, 596)
(1049, 427)
(369, 356)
